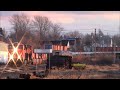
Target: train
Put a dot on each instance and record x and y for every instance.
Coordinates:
(24, 53)
(18, 52)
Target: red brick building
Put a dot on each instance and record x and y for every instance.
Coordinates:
(107, 49)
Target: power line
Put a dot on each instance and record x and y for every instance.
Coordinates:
(91, 31)
(86, 30)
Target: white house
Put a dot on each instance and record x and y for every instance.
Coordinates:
(3, 52)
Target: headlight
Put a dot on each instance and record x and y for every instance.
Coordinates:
(5, 57)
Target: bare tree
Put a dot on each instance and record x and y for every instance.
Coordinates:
(116, 40)
(56, 32)
(45, 30)
(42, 26)
(39, 30)
(87, 40)
(20, 25)
(74, 34)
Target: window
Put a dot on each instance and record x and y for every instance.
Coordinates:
(48, 46)
(20, 47)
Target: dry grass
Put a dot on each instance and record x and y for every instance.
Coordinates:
(104, 60)
(91, 72)
(81, 59)
(101, 59)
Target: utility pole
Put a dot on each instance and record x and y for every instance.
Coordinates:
(75, 45)
(107, 40)
(114, 51)
(92, 40)
(49, 64)
(95, 44)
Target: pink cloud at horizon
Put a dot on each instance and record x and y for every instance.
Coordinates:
(56, 18)
(73, 20)
(69, 18)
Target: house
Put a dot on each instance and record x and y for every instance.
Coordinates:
(1, 34)
(63, 44)
(3, 52)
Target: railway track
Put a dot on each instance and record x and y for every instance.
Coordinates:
(14, 73)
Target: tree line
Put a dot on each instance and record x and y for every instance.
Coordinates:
(38, 29)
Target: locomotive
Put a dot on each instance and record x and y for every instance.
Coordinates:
(19, 53)
(23, 53)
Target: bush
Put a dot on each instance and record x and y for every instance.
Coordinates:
(79, 66)
(104, 60)
(101, 59)
(81, 59)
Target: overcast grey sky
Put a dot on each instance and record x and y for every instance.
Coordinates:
(84, 21)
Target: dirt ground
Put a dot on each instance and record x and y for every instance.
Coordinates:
(90, 72)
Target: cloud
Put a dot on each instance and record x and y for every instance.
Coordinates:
(111, 16)
(67, 17)
(90, 12)
(73, 19)
(8, 13)
(54, 16)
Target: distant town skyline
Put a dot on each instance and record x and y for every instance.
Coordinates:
(82, 21)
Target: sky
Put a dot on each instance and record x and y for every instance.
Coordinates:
(82, 21)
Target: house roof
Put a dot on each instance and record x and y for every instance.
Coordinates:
(56, 42)
(69, 39)
(1, 35)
